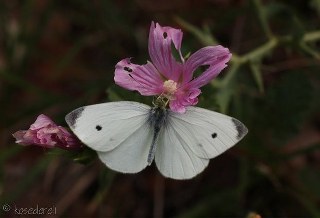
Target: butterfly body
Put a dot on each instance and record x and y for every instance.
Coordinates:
(157, 119)
(128, 136)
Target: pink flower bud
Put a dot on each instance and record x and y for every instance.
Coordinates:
(45, 133)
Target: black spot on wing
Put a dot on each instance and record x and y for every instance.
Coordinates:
(72, 117)
(241, 129)
(214, 135)
(98, 127)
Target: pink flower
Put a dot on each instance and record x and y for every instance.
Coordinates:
(45, 133)
(165, 76)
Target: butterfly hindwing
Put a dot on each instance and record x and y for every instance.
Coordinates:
(174, 158)
(132, 154)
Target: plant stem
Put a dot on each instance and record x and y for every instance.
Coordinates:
(260, 51)
(203, 36)
(311, 36)
(262, 18)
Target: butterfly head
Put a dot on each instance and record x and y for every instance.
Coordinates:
(161, 102)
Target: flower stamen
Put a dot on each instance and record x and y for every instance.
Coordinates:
(169, 88)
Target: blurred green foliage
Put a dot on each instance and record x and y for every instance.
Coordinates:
(59, 55)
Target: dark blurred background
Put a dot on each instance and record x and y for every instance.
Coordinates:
(56, 56)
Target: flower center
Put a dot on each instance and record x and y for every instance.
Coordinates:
(169, 88)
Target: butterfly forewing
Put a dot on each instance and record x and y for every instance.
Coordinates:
(105, 126)
(207, 133)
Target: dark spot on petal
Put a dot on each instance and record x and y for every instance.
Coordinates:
(165, 35)
(128, 69)
(214, 135)
(98, 127)
(241, 129)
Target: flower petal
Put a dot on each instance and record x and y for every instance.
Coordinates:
(42, 121)
(142, 78)
(160, 40)
(214, 56)
(184, 99)
(176, 36)
(25, 137)
(176, 106)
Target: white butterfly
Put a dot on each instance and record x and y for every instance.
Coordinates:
(129, 135)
